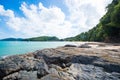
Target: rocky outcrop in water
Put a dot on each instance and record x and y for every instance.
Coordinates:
(61, 64)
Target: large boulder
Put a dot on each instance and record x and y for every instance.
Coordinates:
(52, 56)
(91, 72)
(10, 65)
(13, 64)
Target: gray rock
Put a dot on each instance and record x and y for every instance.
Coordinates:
(13, 76)
(7, 67)
(52, 64)
(54, 57)
(13, 64)
(51, 77)
(53, 71)
(117, 75)
(41, 73)
(68, 45)
(84, 46)
(25, 75)
(22, 75)
(90, 72)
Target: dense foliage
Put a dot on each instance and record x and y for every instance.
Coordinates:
(107, 30)
(42, 38)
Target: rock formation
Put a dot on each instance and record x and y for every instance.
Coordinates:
(63, 63)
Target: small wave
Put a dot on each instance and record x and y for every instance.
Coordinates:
(3, 57)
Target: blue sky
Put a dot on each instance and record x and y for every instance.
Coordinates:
(61, 18)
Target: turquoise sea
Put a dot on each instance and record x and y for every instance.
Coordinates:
(20, 47)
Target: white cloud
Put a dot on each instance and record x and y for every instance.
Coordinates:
(4, 12)
(52, 21)
(85, 14)
(39, 21)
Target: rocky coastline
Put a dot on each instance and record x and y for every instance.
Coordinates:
(89, 61)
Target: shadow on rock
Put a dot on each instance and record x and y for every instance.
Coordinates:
(96, 61)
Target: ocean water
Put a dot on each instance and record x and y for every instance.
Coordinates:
(8, 48)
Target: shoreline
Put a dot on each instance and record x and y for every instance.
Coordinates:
(92, 45)
(67, 62)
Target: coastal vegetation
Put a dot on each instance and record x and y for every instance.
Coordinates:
(107, 30)
(42, 38)
(12, 39)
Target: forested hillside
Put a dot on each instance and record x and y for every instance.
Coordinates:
(42, 38)
(11, 39)
(107, 30)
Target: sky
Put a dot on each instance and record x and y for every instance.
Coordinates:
(60, 18)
